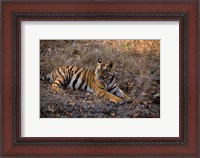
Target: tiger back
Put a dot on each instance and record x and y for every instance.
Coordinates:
(100, 81)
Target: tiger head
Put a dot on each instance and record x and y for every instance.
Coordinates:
(104, 70)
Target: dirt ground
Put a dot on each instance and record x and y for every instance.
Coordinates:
(138, 78)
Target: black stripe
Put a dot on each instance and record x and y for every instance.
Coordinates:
(56, 84)
(85, 87)
(68, 76)
(69, 71)
(83, 80)
(115, 93)
(112, 79)
(67, 81)
(87, 80)
(65, 67)
(61, 73)
(77, 70)
(76, 80)
(111, 88)
(60, 82)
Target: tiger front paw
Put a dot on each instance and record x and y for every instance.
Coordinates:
(128, 100)
(121, 102)
(118, 101)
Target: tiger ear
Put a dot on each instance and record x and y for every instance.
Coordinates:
(99, 61)
(111, 64)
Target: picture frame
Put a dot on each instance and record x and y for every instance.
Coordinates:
(187, 144)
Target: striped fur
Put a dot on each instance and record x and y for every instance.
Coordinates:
(100, 81)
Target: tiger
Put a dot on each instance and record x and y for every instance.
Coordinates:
(100, 81)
